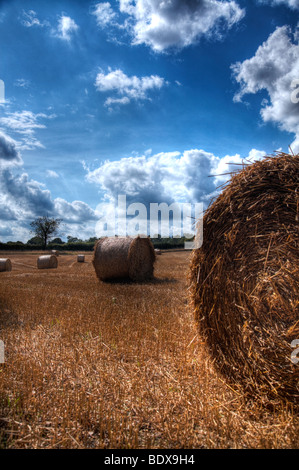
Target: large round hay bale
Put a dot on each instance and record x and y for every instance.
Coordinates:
(244, 279)
(124, 258)
(5, 264)
(80, 258)
(47, 262)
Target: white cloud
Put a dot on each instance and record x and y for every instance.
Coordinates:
(178, 23)
(129, 87)
(111, 102)
(64, 30)
(26, 197)
(52, 174)
(74, 212)
(23, 199)
(66, 27)
(104, 14)
(293, 4)
(22, 83)
(166, 177)
(29, 18)
(273, 68)
(193, 176)
(25, 123)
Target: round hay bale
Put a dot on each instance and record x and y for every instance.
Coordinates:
(80, 258)
(5, 264)
(55, 252)
(244, 279)
(124, 258)
(47, 262)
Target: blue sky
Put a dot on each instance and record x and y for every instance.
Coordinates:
(146, 98)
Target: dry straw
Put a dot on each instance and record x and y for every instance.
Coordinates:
(80, 258)
(47, 262)
(5, 264)
(244, 279)
(124, 258)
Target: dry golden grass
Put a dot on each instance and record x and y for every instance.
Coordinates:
(118, 365)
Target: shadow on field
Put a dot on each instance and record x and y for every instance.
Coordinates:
(165, 280)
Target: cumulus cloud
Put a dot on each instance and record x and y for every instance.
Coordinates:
(128, 87)
(274, 68)
(28, 194)
(178, 23)
(6, 213)
(22, 199)
(66, 27)
(32, 199)
(8, 150)
(104, 14)
(74, 212)
(164, 177)
(172, 178)
(167, 176)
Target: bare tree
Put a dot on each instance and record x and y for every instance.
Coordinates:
(45, 228)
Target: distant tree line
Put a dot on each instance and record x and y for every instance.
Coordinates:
(75, 244)
(45, 228)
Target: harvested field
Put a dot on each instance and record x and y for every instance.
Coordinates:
(117, 365)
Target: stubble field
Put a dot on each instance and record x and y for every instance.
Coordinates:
(117, 365)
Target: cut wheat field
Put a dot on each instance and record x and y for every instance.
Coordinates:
(117, 366)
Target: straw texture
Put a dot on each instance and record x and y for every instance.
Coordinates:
(244, 279)
(124, 258)
(47, 262)
(5, 264)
